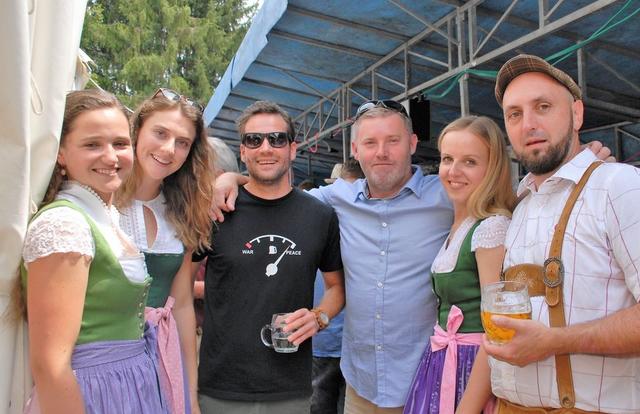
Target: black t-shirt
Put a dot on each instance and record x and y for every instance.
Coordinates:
(241, 294)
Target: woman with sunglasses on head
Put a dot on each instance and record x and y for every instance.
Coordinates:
(475, 172)
(165, 204)
(84, 279)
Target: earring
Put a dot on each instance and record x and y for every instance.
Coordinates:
(63, 172)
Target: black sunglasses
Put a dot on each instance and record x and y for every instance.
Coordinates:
(175, 96)
(254, 140)
(386, 103)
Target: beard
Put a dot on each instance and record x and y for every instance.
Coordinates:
(269, 178)
(539, 163)
(388, 183)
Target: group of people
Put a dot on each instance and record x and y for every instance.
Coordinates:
(405, 254)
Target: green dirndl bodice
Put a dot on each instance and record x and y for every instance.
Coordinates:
(163, 268)
(460, 287)
(113, 305)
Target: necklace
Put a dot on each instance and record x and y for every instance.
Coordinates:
(129, 247)
(93, 192)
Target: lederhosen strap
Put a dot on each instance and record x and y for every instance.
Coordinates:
(507, 407)
(548, 280)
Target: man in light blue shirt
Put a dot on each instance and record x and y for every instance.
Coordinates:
(327, 380)
(392, 224)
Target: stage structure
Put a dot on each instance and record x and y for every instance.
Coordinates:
(320, 60)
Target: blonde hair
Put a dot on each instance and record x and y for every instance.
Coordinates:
(188, 191)
(494, 195)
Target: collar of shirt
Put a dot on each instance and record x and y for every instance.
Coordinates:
(571, 171)
(412, 185)
(90, 203)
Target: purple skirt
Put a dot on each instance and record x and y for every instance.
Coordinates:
(424, 394)
(119, 376)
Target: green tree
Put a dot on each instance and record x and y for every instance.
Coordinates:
(141, 45)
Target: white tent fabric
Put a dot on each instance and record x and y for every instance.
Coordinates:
(39, 42)
(83, 70)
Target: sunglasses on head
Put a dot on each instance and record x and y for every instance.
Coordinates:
(386, 103)
(175, 96)
(276, 139)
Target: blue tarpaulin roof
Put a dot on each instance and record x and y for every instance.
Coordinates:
(320, 59)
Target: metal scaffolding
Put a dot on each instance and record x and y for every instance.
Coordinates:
(449, 47)
(323, 58)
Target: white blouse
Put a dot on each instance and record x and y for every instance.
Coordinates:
(65, 230)
(489, 234)
(132, 222)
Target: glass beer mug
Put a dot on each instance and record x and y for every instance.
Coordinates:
(277, 339)
(509, 298)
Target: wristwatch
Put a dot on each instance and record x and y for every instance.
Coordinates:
(321, 317)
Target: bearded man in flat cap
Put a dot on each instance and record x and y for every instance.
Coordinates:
(578, 353)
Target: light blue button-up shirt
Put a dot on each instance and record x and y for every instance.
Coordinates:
(328, 342)
(388, 246)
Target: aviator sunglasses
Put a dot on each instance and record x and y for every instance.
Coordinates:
(175, 96)
(386, 103)
(254, 140)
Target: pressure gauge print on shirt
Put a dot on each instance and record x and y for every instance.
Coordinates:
(276, 247)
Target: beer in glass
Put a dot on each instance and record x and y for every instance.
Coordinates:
(509, 298)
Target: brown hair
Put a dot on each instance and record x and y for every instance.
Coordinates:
(76, 104)
(188, 191)
(265, 107)
(495, 194)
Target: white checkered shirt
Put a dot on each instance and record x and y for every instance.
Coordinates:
(601, 256)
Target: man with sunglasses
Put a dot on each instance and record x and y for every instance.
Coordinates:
(392, 224)
(263, 261)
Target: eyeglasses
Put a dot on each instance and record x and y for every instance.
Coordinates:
(254, 140)
(386, 103)
(175, 96)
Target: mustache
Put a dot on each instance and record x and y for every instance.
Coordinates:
(536, 134)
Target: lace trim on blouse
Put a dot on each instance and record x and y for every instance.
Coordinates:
(132, 222)
(490, 233)
(58, 230)
(74, 229)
